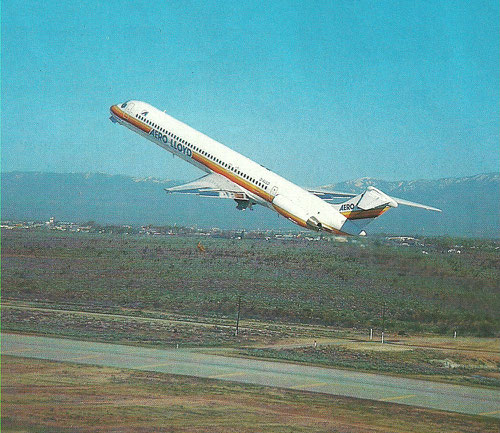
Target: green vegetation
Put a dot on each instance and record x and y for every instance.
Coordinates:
(464, 360)
(43, 396)
(466, 368)
(326, 283)
(159, 331)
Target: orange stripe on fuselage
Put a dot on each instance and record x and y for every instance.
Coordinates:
(132, 120)
(302, 223)
(224, 172)
(290, 216)
(199, 158)
(232, 177)
(360, 214)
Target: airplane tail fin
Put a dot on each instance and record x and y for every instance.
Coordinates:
(370, 204)
(365, 207)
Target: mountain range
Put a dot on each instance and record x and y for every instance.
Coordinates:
(470, 204)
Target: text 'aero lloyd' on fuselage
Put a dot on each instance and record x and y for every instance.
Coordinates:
(232, 175)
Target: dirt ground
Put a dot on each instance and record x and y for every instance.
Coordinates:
(43, 396)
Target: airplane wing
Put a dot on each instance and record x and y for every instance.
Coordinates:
(212, 185)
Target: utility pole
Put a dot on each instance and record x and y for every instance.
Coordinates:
(238, 317)
(383, 322)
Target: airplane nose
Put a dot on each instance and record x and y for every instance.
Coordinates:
(114, 113)
(114, 109)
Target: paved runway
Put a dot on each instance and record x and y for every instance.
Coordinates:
(317, 379)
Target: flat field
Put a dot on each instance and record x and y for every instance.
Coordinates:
(162, 291)
(341, 285)
(42, 396)
(465, 366)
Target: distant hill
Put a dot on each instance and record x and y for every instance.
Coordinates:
(470, 204)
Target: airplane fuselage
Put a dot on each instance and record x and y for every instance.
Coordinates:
(260, 184)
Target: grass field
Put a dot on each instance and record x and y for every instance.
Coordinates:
(464, 366)
(42, 396)
(464, 360)
(326, 283)
(162, 291)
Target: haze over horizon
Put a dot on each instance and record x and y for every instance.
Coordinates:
(318, 93)
(167, 178)
(125, 200)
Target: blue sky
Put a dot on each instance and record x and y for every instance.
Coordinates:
(317, 91)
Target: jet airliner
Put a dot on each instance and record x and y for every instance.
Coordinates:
(233, 176)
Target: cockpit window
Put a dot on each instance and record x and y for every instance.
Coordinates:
(124, 104)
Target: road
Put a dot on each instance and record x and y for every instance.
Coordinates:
(194, 362)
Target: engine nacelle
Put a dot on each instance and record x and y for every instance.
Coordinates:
(314, 224)
(325, 217)
(291, 210)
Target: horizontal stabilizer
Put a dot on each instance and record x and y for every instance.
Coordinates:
(368, 200)
(328, 195)
(413, 204)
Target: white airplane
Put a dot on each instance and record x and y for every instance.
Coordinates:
(232, 175)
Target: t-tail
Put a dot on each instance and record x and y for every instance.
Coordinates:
(363, 208)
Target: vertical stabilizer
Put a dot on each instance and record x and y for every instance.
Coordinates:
(367, 206)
